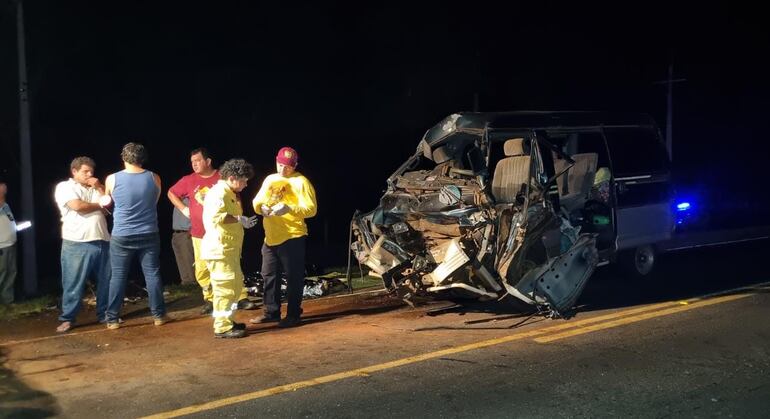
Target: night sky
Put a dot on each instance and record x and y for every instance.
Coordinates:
(353, 87)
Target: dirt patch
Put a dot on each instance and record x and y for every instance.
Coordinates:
(181, 363)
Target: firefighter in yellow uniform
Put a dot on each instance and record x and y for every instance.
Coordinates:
(222, 243)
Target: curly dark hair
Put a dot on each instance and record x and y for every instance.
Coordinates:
(237, 168)
(77, 162)
(134, 153)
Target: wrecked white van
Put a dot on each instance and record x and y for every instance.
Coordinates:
(506, 205)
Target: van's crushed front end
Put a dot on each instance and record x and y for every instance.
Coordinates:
(440, 232)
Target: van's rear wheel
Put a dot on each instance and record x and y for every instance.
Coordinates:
(639, 262)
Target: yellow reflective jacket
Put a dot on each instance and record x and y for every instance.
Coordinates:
(221, 238)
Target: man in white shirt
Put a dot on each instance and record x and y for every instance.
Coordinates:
(7, 248)
(85, 241)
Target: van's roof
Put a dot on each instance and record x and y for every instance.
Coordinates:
(476, 122)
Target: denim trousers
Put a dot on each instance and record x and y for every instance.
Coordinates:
(123, 251)
(79, 261)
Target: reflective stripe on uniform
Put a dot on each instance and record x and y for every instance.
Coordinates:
(217, 313)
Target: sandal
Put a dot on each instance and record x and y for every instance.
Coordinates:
(65, 327)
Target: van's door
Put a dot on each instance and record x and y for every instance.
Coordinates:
(641, 173)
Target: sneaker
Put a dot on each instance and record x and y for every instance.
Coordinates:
(239, 326)
(104, 320)
(160, 321)
(65, 327)
(207, 308)
(266, 318)
(113, 325)
(246, 304)
(289, 322)
(231, 334)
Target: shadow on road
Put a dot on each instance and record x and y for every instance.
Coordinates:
(680, 275)
(17, 400)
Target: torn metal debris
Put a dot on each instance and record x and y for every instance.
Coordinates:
(313, 287)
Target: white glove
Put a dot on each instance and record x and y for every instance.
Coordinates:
(247, 222)
(105, 201)
(265, 210)
(186, 212)
(280, 209)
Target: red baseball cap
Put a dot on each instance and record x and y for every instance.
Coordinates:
(287, 156)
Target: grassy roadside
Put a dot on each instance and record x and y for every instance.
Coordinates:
(28, 307)
(176, 292)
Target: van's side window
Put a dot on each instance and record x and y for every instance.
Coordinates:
(636, 151)
(593, 142)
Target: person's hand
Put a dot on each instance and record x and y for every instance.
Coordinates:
(265, 210)
(93, 182)
(186, 212)
(247, 222)
(105, 201)
(280, 209)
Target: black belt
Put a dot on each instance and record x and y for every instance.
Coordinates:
(181, 231)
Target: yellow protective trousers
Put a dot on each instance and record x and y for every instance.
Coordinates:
(226, 286)
(203, 276)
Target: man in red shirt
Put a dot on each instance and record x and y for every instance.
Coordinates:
(194, 187)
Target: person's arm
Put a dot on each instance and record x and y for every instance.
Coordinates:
(222, 216)
(176, 195)
(230, 219)
(178, 204)
(66, 198)
(94, 183)
(261, 198)
(156, 178)
(213, 210)
(306, 203)
(83, 207)
(109, 184)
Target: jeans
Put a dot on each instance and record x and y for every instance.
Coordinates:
(79, 260)
(288, 257)
(123, 249)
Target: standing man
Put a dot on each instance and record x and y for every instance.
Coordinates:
(222, 244)
(194, 187)
(7, 248)
(85, 241)
(181, 242)
(285, 199)
(135, 192)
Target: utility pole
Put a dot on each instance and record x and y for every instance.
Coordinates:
(27, 196)
(670, 106)
(477, 82)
